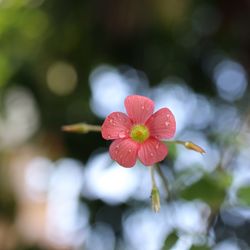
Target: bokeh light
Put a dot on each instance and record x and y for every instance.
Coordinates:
(98, 175)
(230, 79)
(109, 88)
(61, 78)
(174, 94)
(21, 119)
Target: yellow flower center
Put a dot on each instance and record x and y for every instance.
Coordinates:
(139, 133)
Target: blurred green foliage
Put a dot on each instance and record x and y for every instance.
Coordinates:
(170, 241)
(244, 195)
(210, 188)
(207, 190)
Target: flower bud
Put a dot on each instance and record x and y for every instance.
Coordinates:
(190, 145)
(82, 128)
(155, 199)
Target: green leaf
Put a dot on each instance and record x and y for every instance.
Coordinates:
(207, 189)
(223, 178)
(170, 241)
(244, 195)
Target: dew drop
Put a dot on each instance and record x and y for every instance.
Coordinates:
(129, 150)
(109, 136)
(151, 154)
(111, 121)
(167, 124)
(122, 134)
(168, 115)
(157, 146)
(142, 107)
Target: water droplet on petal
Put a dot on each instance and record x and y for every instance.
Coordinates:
(157, 145)
(167, 124)
(142, 107)
(129, 150)
(122, 134)
(168, 115)
(151, 154)
(109, 136)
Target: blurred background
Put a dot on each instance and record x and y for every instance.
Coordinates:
(63, 62)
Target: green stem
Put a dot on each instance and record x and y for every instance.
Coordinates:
(165, 181)
(152, 176)
(176, 142)
(155, 195)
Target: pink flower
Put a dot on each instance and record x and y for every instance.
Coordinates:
(138, 134)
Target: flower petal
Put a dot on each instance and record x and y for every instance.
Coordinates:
(152, 151)
(124, 151)
(162, 124)
(139, 108)
(116, 125)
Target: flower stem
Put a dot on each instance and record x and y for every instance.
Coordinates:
(81, 128)
(155, 195)
(165, 181)
(152, 176)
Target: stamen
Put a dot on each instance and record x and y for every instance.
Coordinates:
(139, 133)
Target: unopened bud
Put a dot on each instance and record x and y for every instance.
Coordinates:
(190, 145)
(155, 199)
(81, 128)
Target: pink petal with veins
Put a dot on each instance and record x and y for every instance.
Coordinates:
(139, 108)
(162, 124)
(117, 125)
(124, 151)
(152, 151)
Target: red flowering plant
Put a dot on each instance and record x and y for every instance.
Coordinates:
(139, 134)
